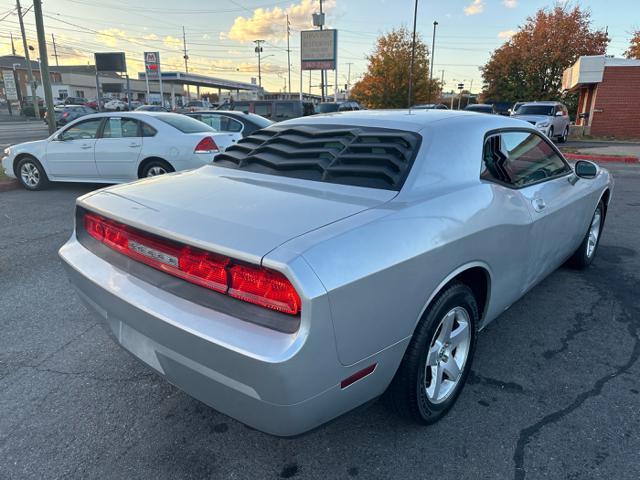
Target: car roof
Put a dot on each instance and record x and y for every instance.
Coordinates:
(542, 103)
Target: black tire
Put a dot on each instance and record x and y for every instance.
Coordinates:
(117, 109)
(149, 167)
(551, 133)
(564, 136)
(407, 394)
(581, 257)
(30, 173)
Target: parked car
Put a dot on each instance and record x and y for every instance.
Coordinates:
(330, 107)
(516, 106)
(480, 108)
(67, 113)
(74, 101)
(430, 106)
(276, 110)
(551, 118)
(151, 108)
(197, 105)
(116, 105)
(115, 148)
(325, 260)
(230, 121)
(94, 103)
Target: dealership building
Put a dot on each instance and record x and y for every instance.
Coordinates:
(609, 95)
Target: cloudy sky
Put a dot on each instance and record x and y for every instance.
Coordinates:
(219, 33)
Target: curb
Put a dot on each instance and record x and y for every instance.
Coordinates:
(10, 185)
(601, 158)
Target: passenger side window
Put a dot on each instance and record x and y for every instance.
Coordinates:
(116, 127)
(230, 125)
(520, 159)
(148, 130)
(212, 120)
(86, 130)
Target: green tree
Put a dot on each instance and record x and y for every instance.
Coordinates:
(530, 65)
(386, 81)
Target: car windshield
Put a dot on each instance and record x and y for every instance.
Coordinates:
(259, 121)
(328, 107)
(535, 110)
(185, 124)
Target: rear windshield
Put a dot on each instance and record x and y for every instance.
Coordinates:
(260, 122)
(345, 154)
(185, 124)
(535, 110)
(328, 107)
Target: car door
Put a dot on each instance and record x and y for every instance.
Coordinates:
(559, 208)
(118, 149)
(72, 152)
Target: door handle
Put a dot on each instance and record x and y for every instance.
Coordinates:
(86, 147)
(538, 204)
(133, 145)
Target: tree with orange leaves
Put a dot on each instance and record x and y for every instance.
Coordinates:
(386, 82)
(530, 65)
(634, 46)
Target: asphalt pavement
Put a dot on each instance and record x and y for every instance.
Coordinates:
(554, 393)
(24, 130)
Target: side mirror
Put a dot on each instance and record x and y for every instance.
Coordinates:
(559, 114)
(585, 169)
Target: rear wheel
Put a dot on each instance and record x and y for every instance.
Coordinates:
(154, 168)
(565, 135)
(551, 133)
(586, 252)
(438, 359)
(31, 175)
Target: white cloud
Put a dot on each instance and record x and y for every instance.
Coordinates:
(476, 7)
(172, 42)
(510, 3)
(506, 34)
(271, 23)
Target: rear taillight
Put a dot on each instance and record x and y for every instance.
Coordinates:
(258, 285)
(206, 145)
(65, 114)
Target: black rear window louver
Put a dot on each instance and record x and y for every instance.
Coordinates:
(360, 156)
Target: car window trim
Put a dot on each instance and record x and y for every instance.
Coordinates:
(499, 131)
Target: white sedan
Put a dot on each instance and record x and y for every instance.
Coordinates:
(116, 148)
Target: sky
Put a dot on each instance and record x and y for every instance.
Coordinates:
(220, 33)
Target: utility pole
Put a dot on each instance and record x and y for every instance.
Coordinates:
(44, 65)
(322, 72)
(32, 83)
(288, 56)
(441, 82)
(433, 49)
(13, 47)
(55, 51)
(186, 60)
(413, 53)
(258, 50)
(349, 79)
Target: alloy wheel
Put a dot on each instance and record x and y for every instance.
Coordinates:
(30, 174)
(154, 171)
(447, 356)
(594, 233)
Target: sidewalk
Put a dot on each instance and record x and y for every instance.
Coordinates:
(601, 152)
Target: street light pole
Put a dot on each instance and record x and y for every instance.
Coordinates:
(413, 53)
(433, 49)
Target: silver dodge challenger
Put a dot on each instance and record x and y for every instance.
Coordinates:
(325, 261)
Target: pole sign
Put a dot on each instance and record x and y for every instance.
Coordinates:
(10, 88)
(152, 65)
(318, 49)
(460, 86)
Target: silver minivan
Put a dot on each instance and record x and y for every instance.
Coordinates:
(551, 118)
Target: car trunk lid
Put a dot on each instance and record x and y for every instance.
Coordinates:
(240, 214)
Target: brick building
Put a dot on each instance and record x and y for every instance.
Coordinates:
(609, 101)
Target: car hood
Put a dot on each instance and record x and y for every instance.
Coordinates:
(533, 118)
(29, 146)
(240, 214)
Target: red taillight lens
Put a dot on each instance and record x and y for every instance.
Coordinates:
(260, 286)
(263, 287)
(206, 145)
(65, 114)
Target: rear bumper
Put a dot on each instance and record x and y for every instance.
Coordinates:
(282, 384)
